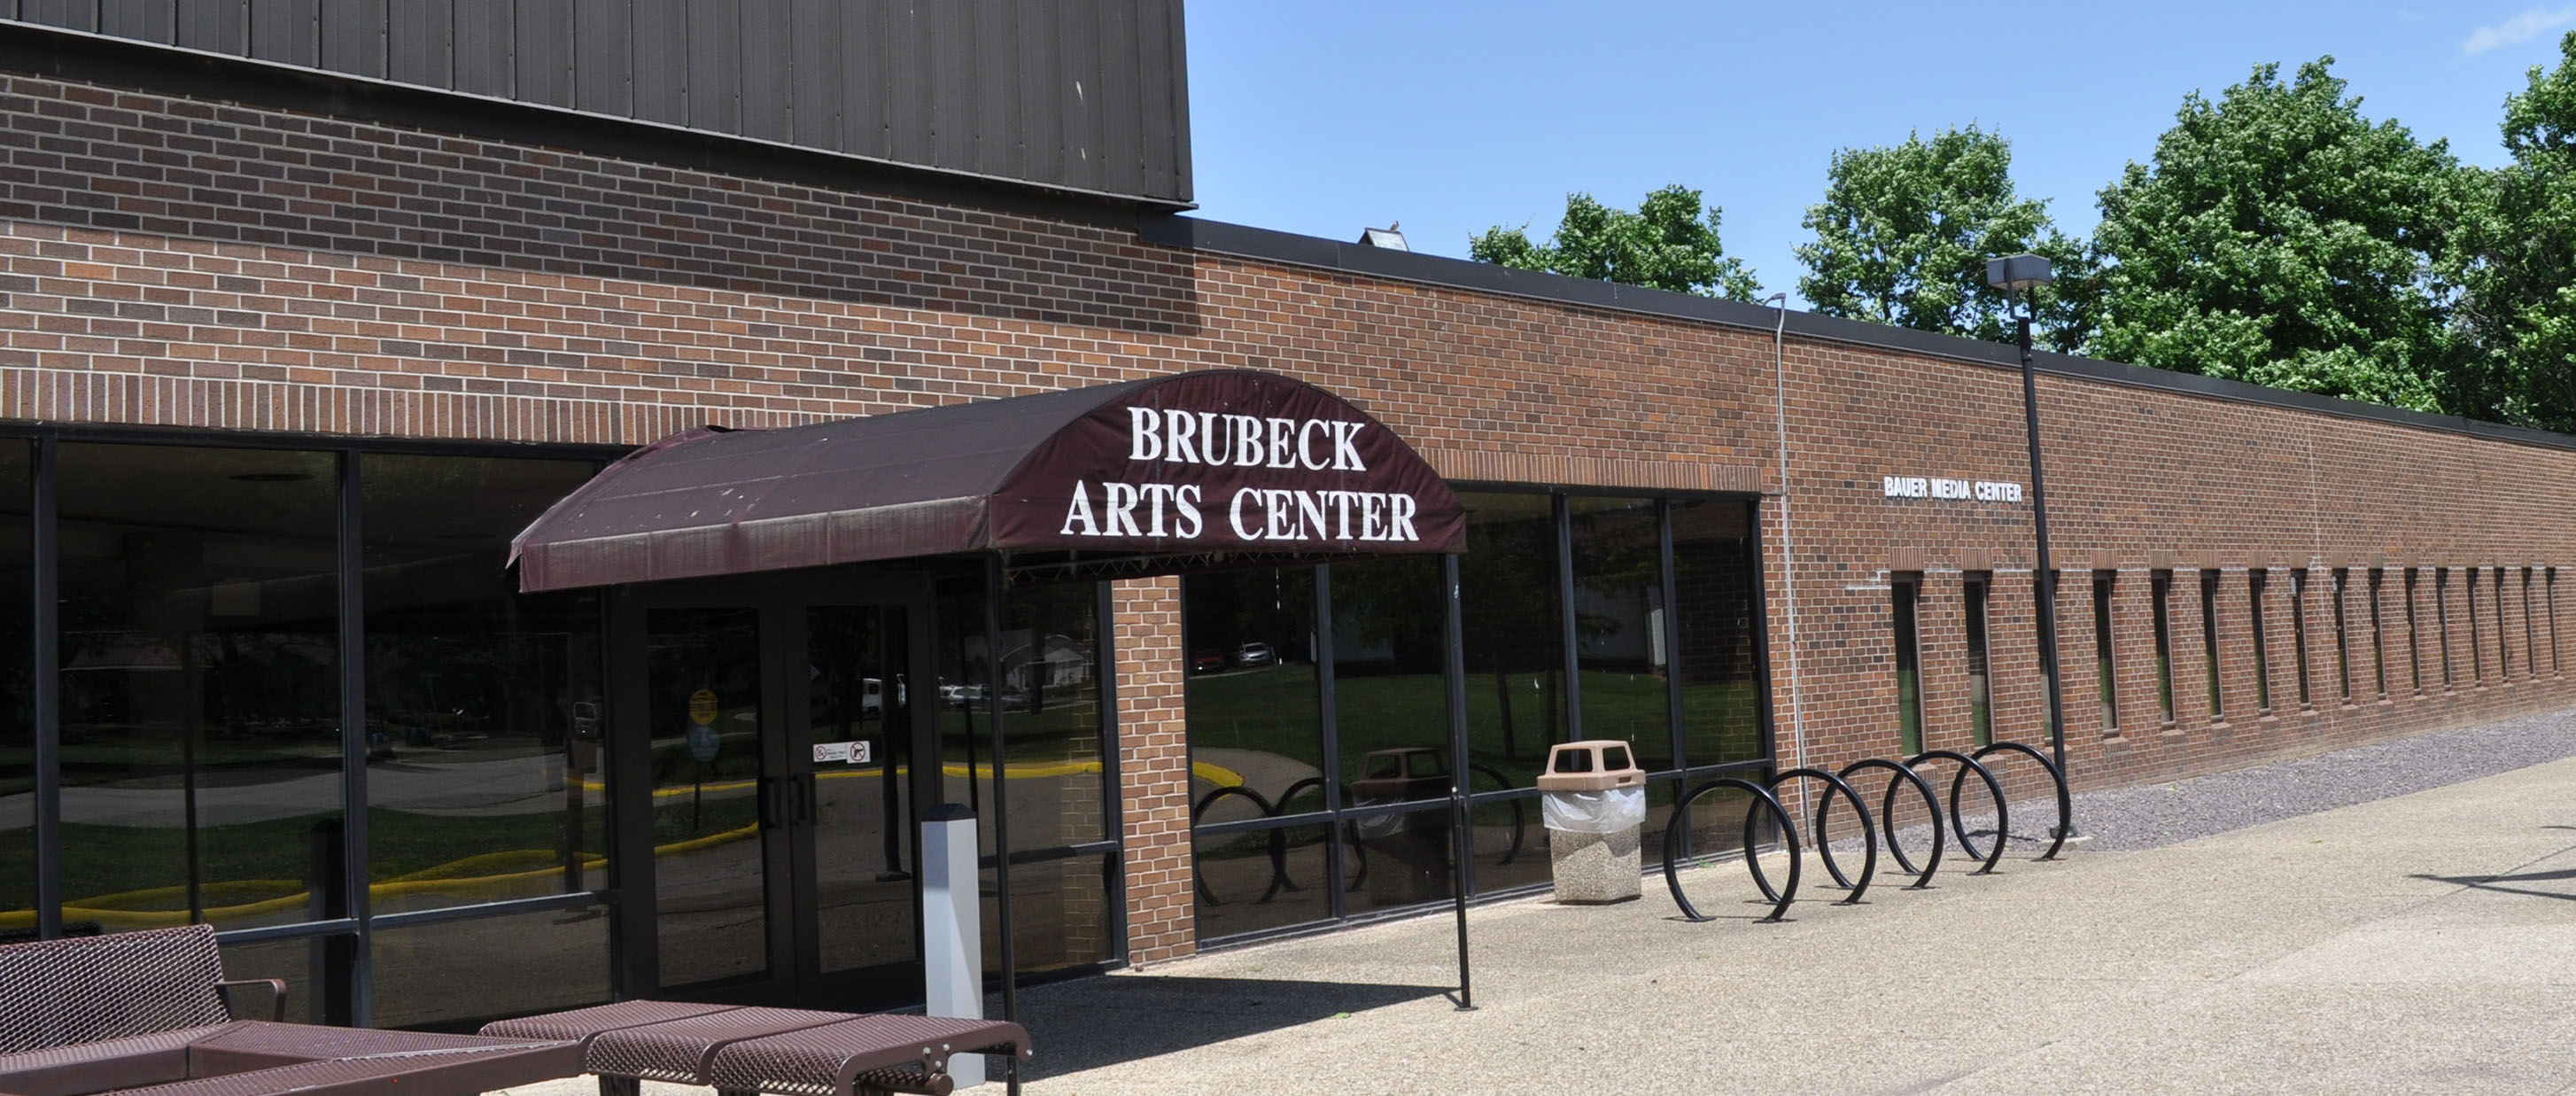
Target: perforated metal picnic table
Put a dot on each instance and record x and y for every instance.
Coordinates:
(800, 1052)
(259, 1058)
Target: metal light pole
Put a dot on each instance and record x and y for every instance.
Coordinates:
(2024, 274)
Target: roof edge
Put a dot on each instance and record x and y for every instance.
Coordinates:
(1219, 237)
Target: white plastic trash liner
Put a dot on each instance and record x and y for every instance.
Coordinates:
(1607, 811)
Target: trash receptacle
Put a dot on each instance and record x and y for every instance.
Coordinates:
(1594, 803)
(1408, 854)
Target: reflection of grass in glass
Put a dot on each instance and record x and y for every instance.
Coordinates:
(2164, 685)
(1909, 710)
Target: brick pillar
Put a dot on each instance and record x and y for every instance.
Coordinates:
(1154, 769)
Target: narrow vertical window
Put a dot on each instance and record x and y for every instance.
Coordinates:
(2477, 632)
(2504, 644)
(2549, 593)
(1909, 677)
(1981, 701)
(2442, 621)
(2209, 642)
(2378, 641)
(2414, 638)
(2343, 639)
(2102, 662)
(2530, 643)
(2299, 632)
(2255, 581)
(2160, 584)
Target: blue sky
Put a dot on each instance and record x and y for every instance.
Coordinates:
(1322, 116)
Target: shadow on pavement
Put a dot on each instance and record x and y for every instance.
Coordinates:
(2496, 883)
(1093, 1022)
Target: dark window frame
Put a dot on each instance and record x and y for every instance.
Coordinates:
(2378, 635)
(2105, 666)
(2299, 635)
(2160, 586)
(2343, 637)
(1976, 594)
(2209, 639)
(1905, 622)
(2257, 582)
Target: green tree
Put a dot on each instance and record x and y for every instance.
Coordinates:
(1904, 233)
(2516, 262)
(2281, 238)
(1670, 242)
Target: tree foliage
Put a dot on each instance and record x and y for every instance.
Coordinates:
(1904, 233)
(2281, 238)
(2516, 261)
(1669, 242)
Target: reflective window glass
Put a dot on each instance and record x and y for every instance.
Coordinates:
(1619, 625)
(483, 704)
(1254, 712)
(1514, 650)
(17, 697)
(201, 748)
(1716, 580)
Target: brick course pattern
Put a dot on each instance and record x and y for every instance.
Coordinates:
(186, 263)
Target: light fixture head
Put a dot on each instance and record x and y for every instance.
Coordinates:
(2016, 273)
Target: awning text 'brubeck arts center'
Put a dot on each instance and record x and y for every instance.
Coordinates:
(1131, 476)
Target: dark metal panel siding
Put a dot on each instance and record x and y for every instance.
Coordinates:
(814, 67)
(1041, 108)
(1089, 94)
(353, 36)
(906, 52)
(997, 106)
(1122, 160)
(715, 64)
(419, 36)
(865, 80)
(541, 52)
(216, 26)
(603, 36)
(482, 37)
(1078, 89)
(660, 76)
(768, 71)
(288, 32)
(70, 14)
(148, 20)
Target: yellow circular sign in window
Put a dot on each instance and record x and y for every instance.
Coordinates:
(702, 707)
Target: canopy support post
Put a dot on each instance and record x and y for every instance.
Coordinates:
(1453, 677)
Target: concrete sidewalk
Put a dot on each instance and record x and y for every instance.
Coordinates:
(2421, 942)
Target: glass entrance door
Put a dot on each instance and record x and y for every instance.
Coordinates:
(783, 723)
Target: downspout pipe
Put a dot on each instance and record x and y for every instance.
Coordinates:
(1788, 545)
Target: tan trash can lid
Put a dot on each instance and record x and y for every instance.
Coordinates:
(1592, 766)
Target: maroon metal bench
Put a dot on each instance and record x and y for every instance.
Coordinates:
(86, 988)
(798, 1052)
(259, 1058)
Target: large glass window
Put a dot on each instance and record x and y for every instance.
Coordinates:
(1507, 591)
(17, 698)
(483, 704)
(1254, 716)
(1716, 596)
(201, 748)
(1619, 625)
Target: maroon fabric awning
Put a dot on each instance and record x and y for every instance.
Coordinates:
(1158, 475)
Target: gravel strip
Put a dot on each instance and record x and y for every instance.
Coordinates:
(2147, 816)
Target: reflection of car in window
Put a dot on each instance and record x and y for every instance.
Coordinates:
(1204, 661)
(1256, 654)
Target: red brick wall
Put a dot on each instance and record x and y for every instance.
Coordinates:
(182, 263)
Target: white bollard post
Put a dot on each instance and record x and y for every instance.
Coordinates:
(952, 925)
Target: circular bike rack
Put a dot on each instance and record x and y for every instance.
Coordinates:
(2065, 801)
(1762, 800)
(1901, 777)
(1958, 822)
(1824, 847)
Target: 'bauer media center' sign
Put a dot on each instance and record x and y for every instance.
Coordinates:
(1935, 487)
(1231, 462)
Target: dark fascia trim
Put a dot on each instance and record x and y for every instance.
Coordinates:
(200, 74)
(1287, 247)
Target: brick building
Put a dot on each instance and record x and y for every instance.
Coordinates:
(311, 309)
